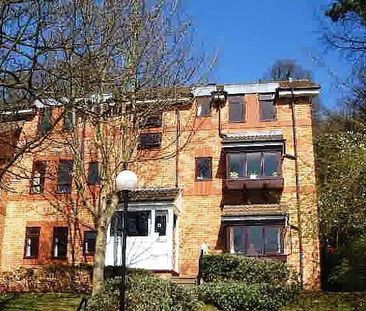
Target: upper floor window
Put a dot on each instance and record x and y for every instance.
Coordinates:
(31, 242)
(93, 173)
(255, 240)
(64, 176)
(59, 243)
(203, 168)
(45, 121)
(203, 107)
(150, 140)
(253, 164)
(267, 107)
(69, 120)
(154, 120)
(138, 223)
(236, 109)
(38, 176)
(90, 238)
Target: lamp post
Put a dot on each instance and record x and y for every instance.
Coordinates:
(126, 182)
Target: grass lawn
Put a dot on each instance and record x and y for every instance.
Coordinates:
(69, 302)
(329, 302)
(40, 302)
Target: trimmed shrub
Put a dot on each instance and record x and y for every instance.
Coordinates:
(244, 269)
(144, 292)
(235, 296)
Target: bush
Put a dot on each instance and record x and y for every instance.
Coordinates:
(144, 292)
(224, 267)
(232, 296)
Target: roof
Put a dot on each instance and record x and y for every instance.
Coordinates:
(254, 136)
(254, 210)
(155, 194)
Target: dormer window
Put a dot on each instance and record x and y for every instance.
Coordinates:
(154, 120)
(45, 121)
(236, 109)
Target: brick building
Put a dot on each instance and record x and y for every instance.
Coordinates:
(240, 179)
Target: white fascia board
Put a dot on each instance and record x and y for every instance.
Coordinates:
(23, 111)
(305, 92)
(233, 89)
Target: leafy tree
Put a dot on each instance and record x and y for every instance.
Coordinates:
(283, 69)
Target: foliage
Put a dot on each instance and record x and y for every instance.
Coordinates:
(282, 69)
(223, 267)
(144, 292)
(232, 295)
(48, 278)
(351, 273)
(341, 163)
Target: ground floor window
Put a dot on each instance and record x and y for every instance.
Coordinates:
(256, 240)
(59, 245)
(31, 242)
(90, 238)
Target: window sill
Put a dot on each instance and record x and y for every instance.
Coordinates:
(268, 120)
(234, 122)
(203, 179)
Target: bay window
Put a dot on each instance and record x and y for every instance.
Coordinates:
(257, 240)
(253, 164)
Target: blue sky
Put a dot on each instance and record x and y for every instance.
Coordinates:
(249, 35)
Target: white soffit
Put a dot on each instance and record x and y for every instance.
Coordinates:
(233, 89)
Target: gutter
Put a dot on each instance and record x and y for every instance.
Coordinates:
(297, 181)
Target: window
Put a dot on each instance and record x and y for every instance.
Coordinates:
(93, 173)
(203, 168)
(150, 140)
(236, 109)
(267, 107)
(137, 223)
(160, 222)
(258, 240)
(90, 238)
(203, 107)
(253, 164)
(154, 120)
(31, 242)
(64, 176)
(38, 176)
(45, 121)
(69, 120)
(59, 244)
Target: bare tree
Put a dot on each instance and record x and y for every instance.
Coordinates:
(107, 65)
(282, 69)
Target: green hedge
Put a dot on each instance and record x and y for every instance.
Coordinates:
(145, 292)
(223, 267)
(235, 296)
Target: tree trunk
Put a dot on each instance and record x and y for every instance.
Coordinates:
(99, 259)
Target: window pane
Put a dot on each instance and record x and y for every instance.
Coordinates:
(69, 120)
(150, 140)
(160, 222)
(138, 223)
(236, 165)
(31, 242)
(116, 224)
(239, 239)
(203, 169)
(236, 109)
(253, 163)
(255, 244)
(203, 107)
(267, 110)
(60, 242)
(45, 123)
(273, 240)
(39, 177)
(64, 176)
(271, 163)
(93, 173)
(90, 241)
(152, 121)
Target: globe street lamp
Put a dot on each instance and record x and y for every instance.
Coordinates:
(126, 181)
